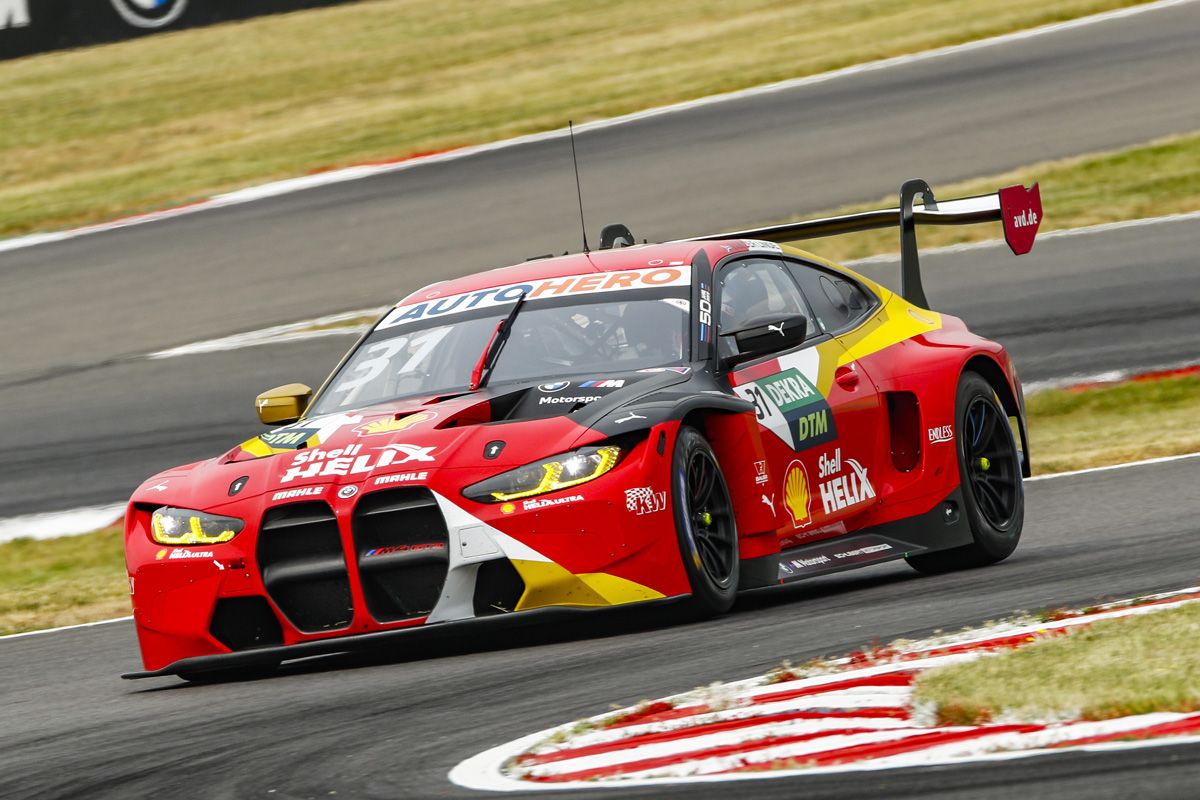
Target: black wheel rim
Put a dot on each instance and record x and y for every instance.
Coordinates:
(991, 456)
(710, 518)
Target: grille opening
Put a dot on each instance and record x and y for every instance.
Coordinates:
(498, 588)
(304, 567)
(243, 623)
(402, 548)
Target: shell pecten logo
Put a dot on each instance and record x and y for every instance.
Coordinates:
(392, 425)
(796, 495)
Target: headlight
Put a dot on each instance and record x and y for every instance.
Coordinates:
(561, 472)
(181, 526)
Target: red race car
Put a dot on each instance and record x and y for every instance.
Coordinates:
(629, 425)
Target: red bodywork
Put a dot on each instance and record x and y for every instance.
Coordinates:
(890, 387)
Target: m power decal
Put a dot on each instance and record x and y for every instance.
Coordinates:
(789, 404)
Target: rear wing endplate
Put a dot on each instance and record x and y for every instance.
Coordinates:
(1018, 208)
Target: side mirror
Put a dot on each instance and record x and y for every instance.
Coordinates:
(282, 404)
(766, 335)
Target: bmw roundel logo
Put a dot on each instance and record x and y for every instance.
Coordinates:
(346, 492)
(150, 13)
(557, 386)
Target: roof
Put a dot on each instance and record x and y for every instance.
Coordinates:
(625, 258)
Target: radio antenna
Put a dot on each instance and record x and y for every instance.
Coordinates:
(578, 188)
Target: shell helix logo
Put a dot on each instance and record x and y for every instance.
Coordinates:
(150, 13)
(796, 495)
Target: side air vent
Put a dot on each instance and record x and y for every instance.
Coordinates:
(498, 588)
(304, 568)
(402, 547)
(243, 623)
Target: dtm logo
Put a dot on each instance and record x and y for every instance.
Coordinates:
(150, 13)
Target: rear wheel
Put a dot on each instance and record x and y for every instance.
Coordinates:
(704, 524)
(989, 467)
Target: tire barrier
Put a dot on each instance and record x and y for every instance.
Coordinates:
(36, 26)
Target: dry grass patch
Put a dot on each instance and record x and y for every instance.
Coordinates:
(1156, 178)
(1071, 429)
(51, 582)
(99, 132)
(1113, 668)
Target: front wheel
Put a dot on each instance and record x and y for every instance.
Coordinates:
(704, 524)
(989, 468)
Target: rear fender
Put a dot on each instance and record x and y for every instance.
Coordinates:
(1007, 386)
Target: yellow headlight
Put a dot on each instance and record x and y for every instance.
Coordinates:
(180, 526)
(551, 475)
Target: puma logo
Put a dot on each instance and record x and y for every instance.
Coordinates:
(777, 328)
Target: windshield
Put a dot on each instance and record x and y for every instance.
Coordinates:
(599, 334)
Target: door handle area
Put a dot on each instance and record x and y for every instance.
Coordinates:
(847, 377)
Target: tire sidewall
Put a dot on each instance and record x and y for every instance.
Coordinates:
(996, 541)
(708, 596)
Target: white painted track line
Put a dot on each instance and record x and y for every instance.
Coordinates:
(65, 628)
(53, 524)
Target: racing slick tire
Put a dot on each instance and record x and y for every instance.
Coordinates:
(989, 466)
(704, 524)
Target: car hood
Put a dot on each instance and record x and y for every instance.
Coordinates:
(482, 433)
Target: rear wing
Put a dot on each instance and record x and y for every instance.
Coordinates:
(1018, 208)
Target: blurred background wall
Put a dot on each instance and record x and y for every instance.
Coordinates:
(34, 26)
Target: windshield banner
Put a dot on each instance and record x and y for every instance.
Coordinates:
(540, 289)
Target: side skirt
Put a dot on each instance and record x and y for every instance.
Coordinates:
(943, 527)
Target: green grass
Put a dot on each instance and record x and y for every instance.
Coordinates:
(1113, 668)
(99, 132)
(1156, 178)
(51, 582)
(1109, 425)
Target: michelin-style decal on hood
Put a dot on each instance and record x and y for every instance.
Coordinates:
(543, 288)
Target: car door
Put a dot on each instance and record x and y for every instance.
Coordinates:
(819, 415)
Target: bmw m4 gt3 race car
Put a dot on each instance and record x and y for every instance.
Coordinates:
(632, 424)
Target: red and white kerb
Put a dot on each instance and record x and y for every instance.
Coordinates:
(858, 716)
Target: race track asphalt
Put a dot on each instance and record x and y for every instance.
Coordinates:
(85, 420)
(1115, 299)
(748, 161)
(392, 726)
